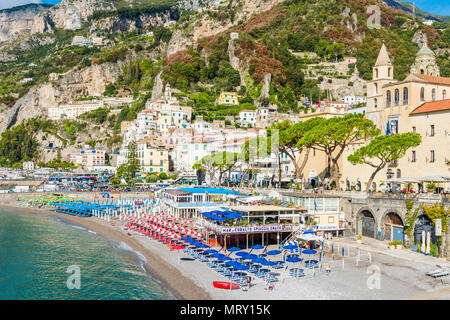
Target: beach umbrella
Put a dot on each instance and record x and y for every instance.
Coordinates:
(178, 248)
(216, 255)
(231, 263)
(251, 256)
(259, 260)
(242, 254)
(273, 252)
(224, 258)
(293, 259)
(257, 247)
(210, 251)
(241, 267)
(428, 243)
(268, 263)
(234, 249)
(423, 241)
(290, 247)
(309, 251)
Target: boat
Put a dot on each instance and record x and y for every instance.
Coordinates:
(225, 285)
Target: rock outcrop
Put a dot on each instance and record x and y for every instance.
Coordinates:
(68, 14)
(90, 81)
(19, 20)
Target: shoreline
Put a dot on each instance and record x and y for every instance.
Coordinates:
(169, 277)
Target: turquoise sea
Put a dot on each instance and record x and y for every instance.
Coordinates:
(36, 253)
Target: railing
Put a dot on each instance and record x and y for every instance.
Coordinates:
(218, 228)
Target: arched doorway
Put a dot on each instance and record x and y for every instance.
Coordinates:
(393, 227)
(423, 223)
(366, 224)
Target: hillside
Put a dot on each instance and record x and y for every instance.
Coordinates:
(253, 47)
(408, 8)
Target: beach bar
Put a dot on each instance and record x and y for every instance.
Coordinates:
(186, 202)
(245, 226)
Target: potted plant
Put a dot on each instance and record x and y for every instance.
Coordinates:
(359, 238)
(392, 245)
(431, 187)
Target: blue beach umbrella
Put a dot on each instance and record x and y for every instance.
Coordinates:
(251, 256)
(210, 251)
(216, 255)
(293, 259)
(257, 247)
(273, 252)
(241, 267)
(234, 249)
(290, 247)
(231, 263)
(310, 251)
(224, 258)
(259, 260)
(242, 254)
(268, 263)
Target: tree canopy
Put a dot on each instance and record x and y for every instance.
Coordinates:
(383, 150)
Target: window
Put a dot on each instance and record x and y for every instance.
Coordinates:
(151, 162)
(405, 96)
(414, 129)
(444, 95)
(397, 97)
(330, 219)
(376, 102)
(433, 94)
(422, 94)
(432, 130)
(413, 156)
(160, 162)
(388, 98)
(376, 74)
(389, 72)
(432, 156)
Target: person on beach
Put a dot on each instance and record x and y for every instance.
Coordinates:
(328, 268)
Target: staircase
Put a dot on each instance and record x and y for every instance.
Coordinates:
(294, 234)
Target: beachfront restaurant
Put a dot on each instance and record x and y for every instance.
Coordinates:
(245, 226)
(186, 202)
(324, 211)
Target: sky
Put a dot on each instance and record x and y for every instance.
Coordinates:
(4, 4)
(441, 7)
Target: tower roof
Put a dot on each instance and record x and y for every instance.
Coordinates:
(424, 51)
(383, 57)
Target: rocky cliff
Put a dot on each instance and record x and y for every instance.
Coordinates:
(19, 20)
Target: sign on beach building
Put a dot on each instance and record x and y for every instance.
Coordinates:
(252, 229)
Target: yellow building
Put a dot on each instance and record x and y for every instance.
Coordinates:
(404, 105)
(228, 98)
(152, 157)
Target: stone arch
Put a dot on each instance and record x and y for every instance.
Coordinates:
(423, 223)
(366, 222)
(391, 225)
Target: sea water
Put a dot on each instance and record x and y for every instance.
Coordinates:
(44, 257)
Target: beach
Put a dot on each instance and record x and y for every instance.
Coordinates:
(189, 279)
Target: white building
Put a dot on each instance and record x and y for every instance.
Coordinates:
(73, 110)
(29, 165)
(352, 100)
(247, 118)
(89, 157)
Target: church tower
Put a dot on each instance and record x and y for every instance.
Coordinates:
(383, 73)
(425, 62)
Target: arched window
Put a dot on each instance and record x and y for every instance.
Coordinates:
(399, 173)
(388, 98)
(422, 94)
(376, 73)
(433, 94)
(376, 88)
(397, 97)
(421, 71)
(444, 95)
(389, 72)
(376, 102)
(405, 96)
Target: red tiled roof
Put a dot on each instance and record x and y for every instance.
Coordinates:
(434, 79)
(433, 106)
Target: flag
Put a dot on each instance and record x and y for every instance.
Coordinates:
(318, 106)
(330, 95)
(388, 129)
(306, 102)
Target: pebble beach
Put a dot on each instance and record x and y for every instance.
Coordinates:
(189, 279)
